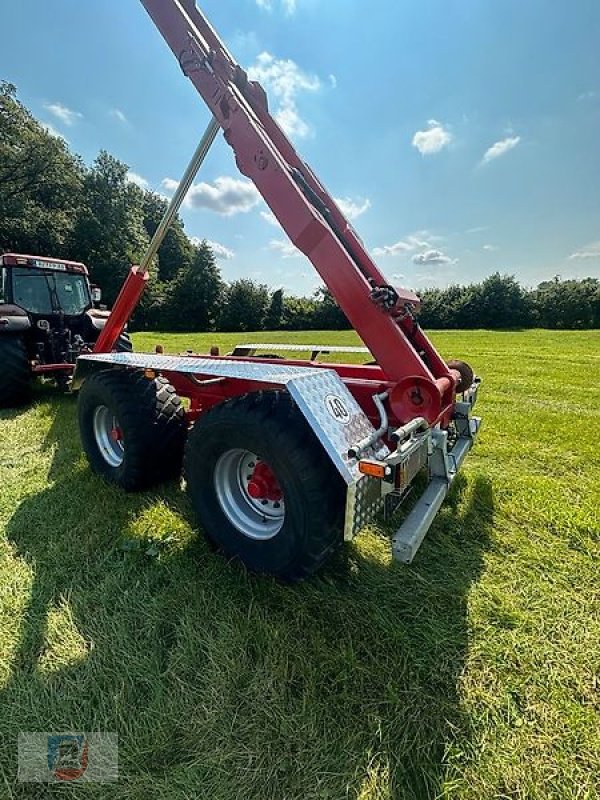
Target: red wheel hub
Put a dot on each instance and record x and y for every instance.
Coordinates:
(263, 484)
(116, 434)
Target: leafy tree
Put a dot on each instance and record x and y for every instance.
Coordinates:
(192, 301)
(109, 234)
(274, 316)
(329, 316)
(502, 303)
(299, 314)
(40, 182)
(568, 304)
(245, 306)
(497, 302)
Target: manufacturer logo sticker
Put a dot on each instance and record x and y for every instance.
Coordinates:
(337, 408)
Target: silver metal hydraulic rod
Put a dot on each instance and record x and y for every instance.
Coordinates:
(181, 191)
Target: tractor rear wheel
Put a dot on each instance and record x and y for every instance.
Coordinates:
(15, 372)
(262, 487)
(132, 428)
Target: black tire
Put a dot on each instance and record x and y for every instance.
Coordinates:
(151, 422)
(269, 425)
(15, 372)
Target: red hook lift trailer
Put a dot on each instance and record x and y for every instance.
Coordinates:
(282, 458)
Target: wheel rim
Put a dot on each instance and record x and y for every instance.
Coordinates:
(249, 494)
(109, 436)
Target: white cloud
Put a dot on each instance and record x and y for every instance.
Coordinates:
(490, 247)
(433, 139)
(412, 242)
(589, 95)
(353, 208)
(169, 184)
(284, 248)
(589, 251)
(133, 177)
(62, 113)
(270, 217)
(118, 114)
(226, 196)
(284, 80)
(220, 251)
(431, 257)
(332, 81)
(49, 128)
(289, 6)
(399, 276)
(500, 148)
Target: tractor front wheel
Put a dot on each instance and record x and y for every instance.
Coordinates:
(262, 487)
(15, 372)
(132, 428)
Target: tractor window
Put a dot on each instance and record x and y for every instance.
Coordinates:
(73, 294)
(3, 286)
(45, 292)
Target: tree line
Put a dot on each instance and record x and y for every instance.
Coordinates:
(51, 203)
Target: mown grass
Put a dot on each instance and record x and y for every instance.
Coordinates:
(471, 674)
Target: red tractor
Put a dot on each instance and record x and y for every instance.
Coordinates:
(282, 458)
(47, 319)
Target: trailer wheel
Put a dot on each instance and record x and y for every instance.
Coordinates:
(261, 486)
(132, 428)
(15, 372)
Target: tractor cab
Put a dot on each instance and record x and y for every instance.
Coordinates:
(47, 319)
(42, 287)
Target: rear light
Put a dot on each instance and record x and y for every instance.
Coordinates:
(374, 469)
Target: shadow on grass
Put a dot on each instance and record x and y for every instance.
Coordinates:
(224, 685)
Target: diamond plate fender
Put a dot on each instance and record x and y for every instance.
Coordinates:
(336, 418)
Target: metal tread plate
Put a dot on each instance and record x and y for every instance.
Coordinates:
(363, 501)
(242, 370)
(298, 348)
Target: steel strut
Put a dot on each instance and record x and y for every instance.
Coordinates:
(135, 282)
(184, 185)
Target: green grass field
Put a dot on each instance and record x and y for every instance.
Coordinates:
(474, 673)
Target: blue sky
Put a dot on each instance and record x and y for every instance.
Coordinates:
(462, 136)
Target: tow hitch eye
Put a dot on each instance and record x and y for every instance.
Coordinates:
(263, 484)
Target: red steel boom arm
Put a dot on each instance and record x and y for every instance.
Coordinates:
(381, 314)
